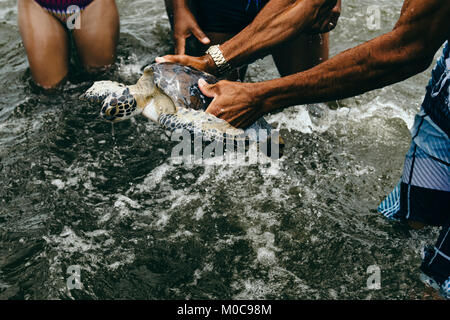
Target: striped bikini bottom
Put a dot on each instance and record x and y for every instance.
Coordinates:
(63, 9)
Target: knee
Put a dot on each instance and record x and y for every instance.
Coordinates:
(98, 63)
(98, 57)
(48, 76)
(97, 52)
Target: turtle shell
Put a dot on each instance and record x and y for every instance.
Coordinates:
(180, 83)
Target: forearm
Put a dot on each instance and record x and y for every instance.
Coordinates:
(177, 4)
(277, 22)
(375, 64)
(170, 8)
(405, 51)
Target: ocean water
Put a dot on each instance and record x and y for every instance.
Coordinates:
(77, 192)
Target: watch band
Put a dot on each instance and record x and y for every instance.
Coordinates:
(218, 58)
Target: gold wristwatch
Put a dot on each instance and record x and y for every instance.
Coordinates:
(221, 63)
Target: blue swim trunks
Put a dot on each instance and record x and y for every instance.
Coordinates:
(423, 193)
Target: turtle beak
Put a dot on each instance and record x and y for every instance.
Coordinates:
(107, 118)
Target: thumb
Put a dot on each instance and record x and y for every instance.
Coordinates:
(200, 35)
(206, 88)
(169, 58)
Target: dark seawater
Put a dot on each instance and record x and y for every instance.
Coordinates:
(75, 191)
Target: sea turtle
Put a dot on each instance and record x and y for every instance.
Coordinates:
(168, 94)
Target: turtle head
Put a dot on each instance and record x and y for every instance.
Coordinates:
(116, 101)
(119, 107)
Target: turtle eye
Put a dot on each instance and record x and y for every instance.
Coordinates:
(109, 114)
(111, 111)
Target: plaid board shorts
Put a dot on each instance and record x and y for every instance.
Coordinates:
(423, 193)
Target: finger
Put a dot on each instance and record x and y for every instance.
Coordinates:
(200, 35)
(326, 24)
(330, 25)
(326, 9)
(171, 58)
(338, 6)
(332, 3)
(332, 22)
(180, 44)
(167, 58)
(206, 88)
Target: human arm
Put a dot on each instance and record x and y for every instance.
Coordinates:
(278, 21)
(405, 51)
(184, 25)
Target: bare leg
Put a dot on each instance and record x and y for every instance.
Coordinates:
(46, 44)
(301, 54)
(97, 38)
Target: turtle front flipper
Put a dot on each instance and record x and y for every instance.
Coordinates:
(213, 129)
(199, 122)
(100, 90)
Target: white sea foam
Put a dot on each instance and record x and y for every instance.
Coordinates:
(298, 119)
(266, 256)
(58, 183)
(130, 68)
(123, 201)
(91, 254)
(279, 282)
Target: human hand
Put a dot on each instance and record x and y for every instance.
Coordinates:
(204, 63)
(235, 102)
(186, 25)
(327, 18)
